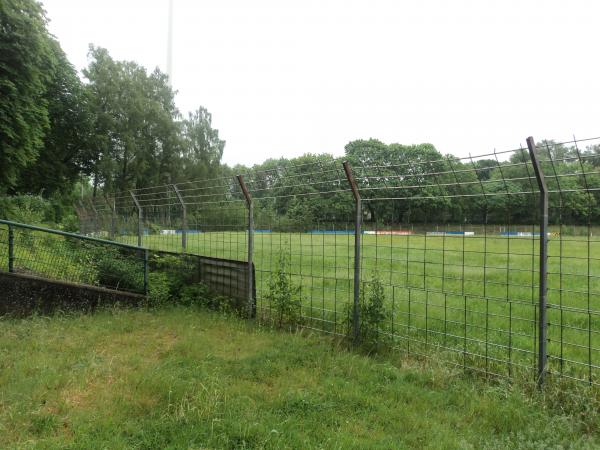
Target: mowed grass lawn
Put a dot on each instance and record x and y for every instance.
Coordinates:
(187, 378)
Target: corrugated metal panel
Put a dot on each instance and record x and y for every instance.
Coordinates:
(222, 276)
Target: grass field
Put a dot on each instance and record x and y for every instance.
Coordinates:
(184, 378)
(472, 301)
(475, 298)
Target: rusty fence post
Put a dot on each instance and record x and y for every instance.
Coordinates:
(96, 223)
(543, 284)
(140, 227)
(184, 225)
(113, 208)
(357, 236)
(248, 197)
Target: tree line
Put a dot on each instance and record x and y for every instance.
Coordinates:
(116, 129)
(416, 184)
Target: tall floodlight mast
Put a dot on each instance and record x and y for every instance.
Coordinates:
(170, 45)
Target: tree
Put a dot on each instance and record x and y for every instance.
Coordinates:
(25, 60)
(416, 175)
(65, 153)
(202, 147)
(136, 135)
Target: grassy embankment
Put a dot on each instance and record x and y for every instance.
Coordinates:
(184, 378)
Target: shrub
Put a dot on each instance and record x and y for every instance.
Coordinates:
(283, 294)
(70, 223)
(115, 271)
(171, 278)
(196, 294)
(159, 289)
(176, 266)
(31, 209)
(373, 315)
(199, 294)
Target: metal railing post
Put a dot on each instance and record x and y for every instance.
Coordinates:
(140, 218)
(357, 235)
(183, 217)
(248, 197)
(11, 249)
(543, 322)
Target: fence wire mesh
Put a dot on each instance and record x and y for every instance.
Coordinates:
(54, 255)
(455, 242)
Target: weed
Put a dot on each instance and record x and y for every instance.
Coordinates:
(159, 289)
(374, 313)
(283, 295)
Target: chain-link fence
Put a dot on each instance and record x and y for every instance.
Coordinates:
(491, 262)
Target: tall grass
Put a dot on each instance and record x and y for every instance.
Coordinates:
(185, 378)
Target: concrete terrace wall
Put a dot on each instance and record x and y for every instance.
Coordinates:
(21, 295)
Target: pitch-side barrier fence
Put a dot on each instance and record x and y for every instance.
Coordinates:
(491, 262)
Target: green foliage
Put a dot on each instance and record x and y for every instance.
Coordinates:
(121, 128)
(374, 314)
(44, 123)
(174, 279)
(283, 295)
(200, 295)
(116, 271)
(31, 209)
(159, 289)
(70, 223)
(429, 182)
(196, 294)
(142, 149)
(24, 66)
(202, 147)
(152, 146)
(176, 266)
(293, 212)
(65, 153)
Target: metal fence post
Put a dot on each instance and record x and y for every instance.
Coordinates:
(96, 223)
(112, 206)
(357, 235)
(248, 197)
(183, 217)
(83, 214)
(145, 271)
(11, 249)
(543, 323)
(140, 218)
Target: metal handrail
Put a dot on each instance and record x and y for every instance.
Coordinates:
(67, 234)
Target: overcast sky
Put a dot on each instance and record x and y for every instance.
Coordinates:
(284, 78)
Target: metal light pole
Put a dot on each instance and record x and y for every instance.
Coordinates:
(170, 45)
